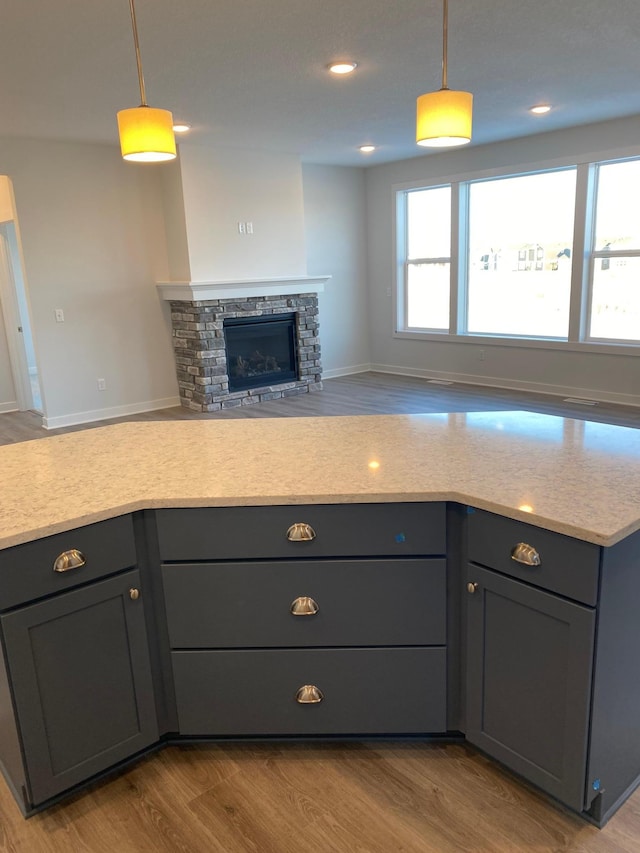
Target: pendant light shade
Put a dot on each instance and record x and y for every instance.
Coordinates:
(444, 117)
(146, 133)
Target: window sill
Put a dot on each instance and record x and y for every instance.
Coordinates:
(593, 347)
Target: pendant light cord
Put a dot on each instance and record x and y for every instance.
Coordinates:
(143, 97)
(445, 32)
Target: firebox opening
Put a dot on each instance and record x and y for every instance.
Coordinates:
(261, 350)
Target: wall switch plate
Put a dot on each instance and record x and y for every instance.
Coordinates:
(102, 384)
(242, 227)
(249, 226)
(59, 315)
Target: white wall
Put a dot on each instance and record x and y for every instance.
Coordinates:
(223, 187)
(334, 215)
(599, 376)
(94, 245)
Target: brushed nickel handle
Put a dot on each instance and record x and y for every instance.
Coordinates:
(72, 559)
(472, 587)
(304, 606)
(301, 532)
(525, 554)
(309, 694)
(134, 594)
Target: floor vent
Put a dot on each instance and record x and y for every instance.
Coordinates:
(439, 382)
(581, 402)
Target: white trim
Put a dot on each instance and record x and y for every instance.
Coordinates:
(106, 414)
(512, 384)
(197, 291)
(11, 406)
(346, 371)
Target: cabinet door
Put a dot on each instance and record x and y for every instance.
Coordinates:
(79, 665)
(529, 663)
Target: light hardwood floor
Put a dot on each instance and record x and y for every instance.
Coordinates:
(376, 797)
(361, 394)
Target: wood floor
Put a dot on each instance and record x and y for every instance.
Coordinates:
(361, 394)
(395, 797)
(304, 798)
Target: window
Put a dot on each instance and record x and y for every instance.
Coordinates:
(428, 253)
(523, 225)
(614, 310)
(494, 257)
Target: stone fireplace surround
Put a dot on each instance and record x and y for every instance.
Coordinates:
(201, 360)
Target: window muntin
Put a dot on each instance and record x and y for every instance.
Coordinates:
(428, 265)
(519, 264)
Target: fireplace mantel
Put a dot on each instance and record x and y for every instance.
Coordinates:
(197, 291)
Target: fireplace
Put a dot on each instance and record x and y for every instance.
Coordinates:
(260, 350)
(219, 368)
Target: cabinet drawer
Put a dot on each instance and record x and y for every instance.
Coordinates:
(567, 566)
(352, 530)
(27, 570)
(365, 691)
(360, 603)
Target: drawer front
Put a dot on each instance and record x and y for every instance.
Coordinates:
(27, 570)
(365, 691)
(567, 566)
(351, 530)
(359, 603)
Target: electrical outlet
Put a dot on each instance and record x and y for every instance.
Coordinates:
(249, 227)
(102, 384)
(59, 315)
(481, 355)
(242, 227)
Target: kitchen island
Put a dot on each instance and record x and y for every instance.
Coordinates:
(494, 557)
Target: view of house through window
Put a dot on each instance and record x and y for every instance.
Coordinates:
(520, 239)
(615, 300)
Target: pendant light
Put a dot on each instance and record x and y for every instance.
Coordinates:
(146, 133)
(444, 117)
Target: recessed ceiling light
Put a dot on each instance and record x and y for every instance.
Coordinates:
(539, 109)
(344, 66)
(367, 149)
(181, 128)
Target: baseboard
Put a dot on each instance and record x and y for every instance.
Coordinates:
(346, 371)
(512, 384)
(11, 406)
(107, 414)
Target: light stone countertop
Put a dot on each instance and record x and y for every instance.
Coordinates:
(574, 477)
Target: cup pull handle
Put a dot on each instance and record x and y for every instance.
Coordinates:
(525, 554)
(304, 606)
(72, 559)
(309, 694)
(301, 532)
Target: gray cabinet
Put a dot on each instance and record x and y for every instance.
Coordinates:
(529, 663)
(78, 673)
(357, 612)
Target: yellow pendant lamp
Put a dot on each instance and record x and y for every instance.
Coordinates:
(444, 117)
(146, 133)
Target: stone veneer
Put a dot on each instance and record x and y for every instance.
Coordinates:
(201, 358)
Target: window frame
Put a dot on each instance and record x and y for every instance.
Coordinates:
(583, 253)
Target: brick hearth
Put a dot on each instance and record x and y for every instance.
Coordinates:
(201, 359)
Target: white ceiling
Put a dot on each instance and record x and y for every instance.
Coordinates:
(252, 73)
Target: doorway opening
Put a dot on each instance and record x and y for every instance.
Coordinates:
(20, 385)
